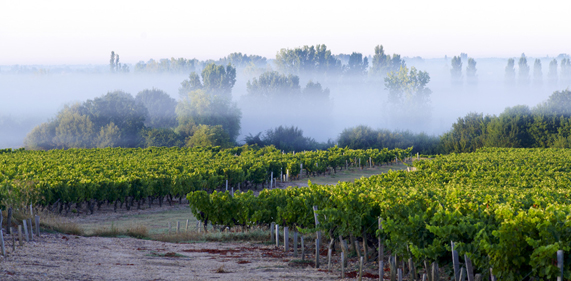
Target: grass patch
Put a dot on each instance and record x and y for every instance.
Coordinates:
(192, 236)
(135, 231)
(54, 223)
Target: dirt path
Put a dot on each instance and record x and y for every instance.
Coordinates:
(65, 257)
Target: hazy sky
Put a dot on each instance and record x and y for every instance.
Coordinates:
(83, 32)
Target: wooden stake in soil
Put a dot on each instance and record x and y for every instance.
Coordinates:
(317, 253)
(272, 180)
(329, 259)
(226, 185)
(344, 249)
(492, 277)
(177, 227)
(302, 249)
(560, 264)
(169, 227)
(286, 239)
(20, 235)
(37, 225)
(26, 231)
(469, 268)
(31, 229)
(455, 262)
(381, 252)
(13, 240)
(277, 235)
(186, 229)
(361, 269)
(411, 269)
(2, 241)
(9, 221)
(198, 226)
(295, 243)
(272, 227)
(342, 266)
(399, 274)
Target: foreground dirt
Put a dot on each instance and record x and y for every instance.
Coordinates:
(65, 257)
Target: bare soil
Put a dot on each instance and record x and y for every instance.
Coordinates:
(65, 257)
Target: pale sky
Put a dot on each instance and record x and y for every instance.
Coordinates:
(85, 32)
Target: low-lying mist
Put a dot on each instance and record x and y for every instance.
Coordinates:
(351, 99)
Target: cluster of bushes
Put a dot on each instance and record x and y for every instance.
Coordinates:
(364, 137)
(287, 139)
(546, 125)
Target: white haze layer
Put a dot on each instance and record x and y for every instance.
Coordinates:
(30, 99)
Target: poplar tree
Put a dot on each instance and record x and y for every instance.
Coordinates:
(112, 62)
(510, 72)
(471, 72)
(456, 71)
(552, 74)
(537, 73)
(523, 70)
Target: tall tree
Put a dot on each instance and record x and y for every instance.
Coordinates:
(566, 71)
(357, 65)
(408, 87)
(274, 85)
(456, 71)
(161, 108)
(509, 76)
(523, 70)
(200, 107)
(216, 80)
(308, 60)
(383, 63)
(552, 74)
(537, 73)
(471, 72)
(112, 62)
(117, 64)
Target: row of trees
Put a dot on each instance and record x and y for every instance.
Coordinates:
(115, 65)
(523, 74)
(456, 70)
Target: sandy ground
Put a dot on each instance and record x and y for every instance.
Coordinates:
(65, 257)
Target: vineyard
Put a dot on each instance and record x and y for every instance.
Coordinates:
(60, 178)
(505, 209)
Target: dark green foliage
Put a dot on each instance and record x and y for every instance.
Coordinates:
(364, 137)
(201, 108)
(160, 106)
(121, 109)
(114, 119)
(286, 139)
(161, 137)
(546, 125)
(205, 135)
